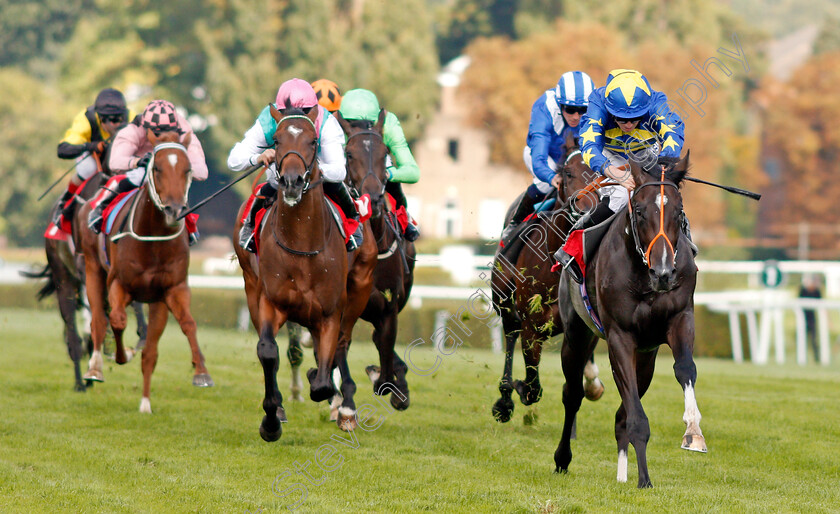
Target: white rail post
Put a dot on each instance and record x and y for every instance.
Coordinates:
(735, 336)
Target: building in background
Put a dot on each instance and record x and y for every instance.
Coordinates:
(460, 194)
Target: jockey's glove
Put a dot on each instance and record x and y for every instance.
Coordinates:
(144, 161)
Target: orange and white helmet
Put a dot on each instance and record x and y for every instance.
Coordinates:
(329, 96)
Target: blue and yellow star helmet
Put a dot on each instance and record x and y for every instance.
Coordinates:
(628, 94)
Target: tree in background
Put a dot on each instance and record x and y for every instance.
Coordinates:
(802, 133)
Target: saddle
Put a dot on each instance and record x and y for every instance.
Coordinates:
(515, 243)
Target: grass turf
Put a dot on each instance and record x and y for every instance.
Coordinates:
(772, 433)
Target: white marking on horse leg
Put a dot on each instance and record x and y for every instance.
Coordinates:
(95, 362)
(347, 412)
(691, 416)
(622, 466)
(145, 405)
(173, 159)
(374, 376)
(590, 371)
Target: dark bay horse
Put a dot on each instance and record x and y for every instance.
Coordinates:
(641, 283)
(147, 261)
(64, 273)
(524, 291)
(394, 273)
(303, 272)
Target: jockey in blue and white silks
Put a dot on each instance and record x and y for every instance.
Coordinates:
(554, 114)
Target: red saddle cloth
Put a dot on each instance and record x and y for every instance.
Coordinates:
(350, 225)
(574, 247)
(402, 215)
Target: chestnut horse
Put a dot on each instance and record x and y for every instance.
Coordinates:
(65, 276)
(524, 291)
(641, 283)
(303, 272)
(147, 262)
(394, 273)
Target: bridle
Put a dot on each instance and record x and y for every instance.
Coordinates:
(661, 234)
(356, 190)
(151, 187)
(308, 167)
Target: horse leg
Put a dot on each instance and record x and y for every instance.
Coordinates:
(67, 295)
(593, 388)
(295, 356)
(385, 337)
(681, 341)
(622, 358)
(158, 314)
(346, 419)
(530, 391)
(326, 340)
(95, 286)
(578, 344)
(400, 399)
(142, 327)
(119, 298)
(645, 365)
(268, 354)
(503, 408)
(178, 301)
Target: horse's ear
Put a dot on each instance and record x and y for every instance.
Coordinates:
(570, 141)
(313, 113)
(380, 122)
(187, 139)
(274, 112)
(153, 139)
(680, 169)
(637, 171)
(345, 125)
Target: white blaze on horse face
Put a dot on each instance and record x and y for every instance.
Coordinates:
(367, 145)
(691, 416)
(173, 159)
(295, 131)
(622, 466)
(661, 200)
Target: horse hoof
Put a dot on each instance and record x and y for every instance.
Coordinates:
(593, 390)
(400, 403)
(346, 419)
(527, 394)
(694, 443)
(80, 387)
(140, 345)
(373, 373)
(334, 414)
(503, 409)
(297, 397)
(145, 406)
(281, 415)
(93, 375)
(203, 380)
(270, 436)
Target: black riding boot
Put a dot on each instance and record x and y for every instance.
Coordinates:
(95, 217)
(523, 209)
(247, 239)
(395, 190)
(601, 213)
(62, 211)
(337, 192)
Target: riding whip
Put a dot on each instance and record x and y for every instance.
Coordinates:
(220, 191)
(744, 192)
(73, 167)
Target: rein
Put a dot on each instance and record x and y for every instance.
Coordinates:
(151, 188)
(634, 225)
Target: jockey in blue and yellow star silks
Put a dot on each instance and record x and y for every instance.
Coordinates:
(361, 104)
(625, 118)
(556, 113)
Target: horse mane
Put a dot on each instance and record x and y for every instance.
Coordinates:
(654, 169)
(292, 111)
(361, 124)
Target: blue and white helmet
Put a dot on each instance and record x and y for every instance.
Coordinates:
(574, 88)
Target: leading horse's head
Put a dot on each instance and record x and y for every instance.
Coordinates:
(296, 151)
(656, 211)
(366, 152)
(169, 175)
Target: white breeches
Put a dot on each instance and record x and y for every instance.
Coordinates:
(86, 166)
(618, 195)
(136, 176)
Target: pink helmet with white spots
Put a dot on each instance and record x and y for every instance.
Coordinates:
(299, 93)
(160, 116)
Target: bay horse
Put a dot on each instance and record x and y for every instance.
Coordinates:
(641, 284)
(64, 274)
(394, 273)
(524, 291)
(146, 261)
(304, 272)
